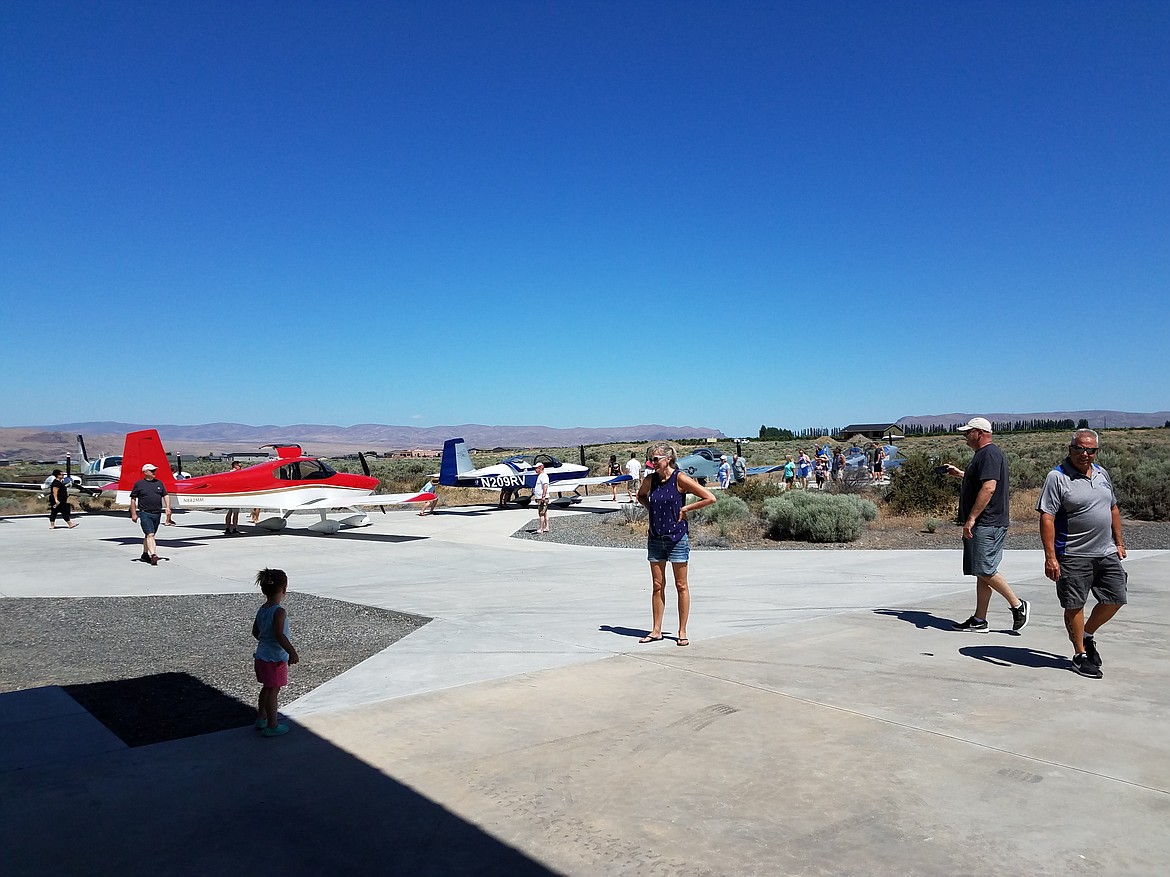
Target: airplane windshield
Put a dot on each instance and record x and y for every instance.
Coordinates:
(549, 461)
(304, 470)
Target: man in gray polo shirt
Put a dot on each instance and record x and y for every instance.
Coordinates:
(1080, 528)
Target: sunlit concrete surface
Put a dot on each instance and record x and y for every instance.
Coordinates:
(824, 720)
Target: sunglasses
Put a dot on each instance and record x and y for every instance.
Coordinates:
(1079, 450)
(656, 459)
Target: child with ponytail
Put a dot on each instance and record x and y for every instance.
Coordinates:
(274, 651)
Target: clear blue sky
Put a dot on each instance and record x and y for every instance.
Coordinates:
(715, 214)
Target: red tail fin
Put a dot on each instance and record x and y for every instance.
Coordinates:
(144, 447)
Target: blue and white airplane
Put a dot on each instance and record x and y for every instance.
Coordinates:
(517, 474)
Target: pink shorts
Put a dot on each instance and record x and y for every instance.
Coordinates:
(272, 674)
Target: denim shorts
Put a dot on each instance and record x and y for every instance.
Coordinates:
(983, 551)
(149, 522)
(660, 549)
(1104, 576)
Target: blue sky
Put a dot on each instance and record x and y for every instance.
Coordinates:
(582, 214)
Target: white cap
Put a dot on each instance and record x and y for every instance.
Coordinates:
(723, 456)
(976, 423)
(150, 466)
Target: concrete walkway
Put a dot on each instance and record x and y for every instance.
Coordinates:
(825, 720)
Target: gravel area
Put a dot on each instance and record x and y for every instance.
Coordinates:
(162, 668)
(611, 530)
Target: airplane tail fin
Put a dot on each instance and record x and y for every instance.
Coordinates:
(81, 451)
(455, 461)
(143, 447)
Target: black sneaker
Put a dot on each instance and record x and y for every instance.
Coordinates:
(1091, 651)
(145, 557)
(1086, 667)
(1020, 616)
(972, 625)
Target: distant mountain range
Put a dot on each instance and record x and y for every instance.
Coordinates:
(53, 442)
(1098, 419)
(44, 442)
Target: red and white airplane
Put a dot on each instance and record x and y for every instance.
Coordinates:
(288, 484)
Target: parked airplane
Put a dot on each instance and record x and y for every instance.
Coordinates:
(289, 483)
(703, 465)
(73, 482)
(516, 473)
(101, 473)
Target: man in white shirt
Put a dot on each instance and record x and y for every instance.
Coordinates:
(634, 468)
(540, 497)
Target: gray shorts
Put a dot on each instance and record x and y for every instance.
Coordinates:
(983, 551)
(1104, 576)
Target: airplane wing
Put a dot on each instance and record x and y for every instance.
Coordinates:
(382, 499)
(571, 484)
(763, 470)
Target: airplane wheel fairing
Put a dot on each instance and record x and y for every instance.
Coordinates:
(274, 525)
(356, 521)
(326, 527)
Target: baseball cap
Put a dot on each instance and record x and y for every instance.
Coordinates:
(150, 466)
(976, 423)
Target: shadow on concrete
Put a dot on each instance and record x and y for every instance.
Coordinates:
(166, 706)
(237, 803)
(1005, 656)
(921, 620)
(216, 535)
(637, 632)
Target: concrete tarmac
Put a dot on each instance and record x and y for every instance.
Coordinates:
(825, 720)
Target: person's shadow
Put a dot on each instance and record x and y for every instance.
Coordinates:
(921, 620)
(625, 631)
(1006, 656)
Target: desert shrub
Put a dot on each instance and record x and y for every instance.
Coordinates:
(633, 512)
(931, 524)
(1144, 491)
(855, 480)
(813, 517)
(1024, 472)
(730, 515)
(916, 488)
(866, 508)
(755, 490)
(726, 508)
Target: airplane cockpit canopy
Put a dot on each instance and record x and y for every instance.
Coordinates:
(305, 470)
(519, 463)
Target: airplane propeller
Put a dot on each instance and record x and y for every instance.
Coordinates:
(366, 470)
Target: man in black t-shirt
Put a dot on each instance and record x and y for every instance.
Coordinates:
(983, 509)
(148, 499)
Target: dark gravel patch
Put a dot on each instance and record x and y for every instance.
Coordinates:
(610, 530)
(163, 668)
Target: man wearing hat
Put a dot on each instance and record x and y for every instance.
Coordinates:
(983, 509)
(148, 499)
(724, 472)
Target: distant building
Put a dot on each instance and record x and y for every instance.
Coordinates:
(247, 458)
(416, 452)
(874, 431)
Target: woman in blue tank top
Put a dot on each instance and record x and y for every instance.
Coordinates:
(664, 495)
